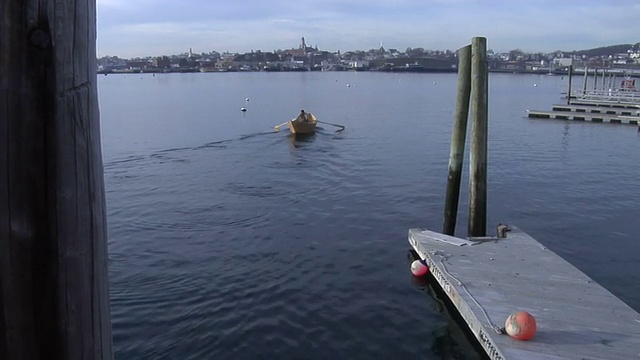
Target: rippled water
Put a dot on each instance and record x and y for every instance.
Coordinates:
(230, 241)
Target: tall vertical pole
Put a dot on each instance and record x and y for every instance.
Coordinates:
(569, 90)
(610, 82)
(584, 83)
(595, 79)
(479, 133)
(54, 287)
(458, 136)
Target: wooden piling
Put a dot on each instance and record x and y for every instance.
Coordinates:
(479, 132)
(569, 90)
(595, 79)
(54, 298)
(458, 136)
(586, 78)
(611, 82)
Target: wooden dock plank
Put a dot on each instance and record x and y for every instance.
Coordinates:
(596, 109)
(612, 103)
(584, 116)
(486, 281)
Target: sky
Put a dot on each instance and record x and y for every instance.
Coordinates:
(140, 28)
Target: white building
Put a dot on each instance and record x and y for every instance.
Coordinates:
(563, 62)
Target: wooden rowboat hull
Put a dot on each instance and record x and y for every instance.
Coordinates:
(303, 127)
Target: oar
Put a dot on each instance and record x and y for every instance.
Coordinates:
(277, 127)
(324, 122)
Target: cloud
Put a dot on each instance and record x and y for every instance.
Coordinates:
(143, 27)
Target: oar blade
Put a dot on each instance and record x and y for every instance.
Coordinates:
(277, 127)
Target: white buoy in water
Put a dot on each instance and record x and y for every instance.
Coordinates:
(247, 99)
(535, 85)
(348, 85)
(419, 268)
(243, 109)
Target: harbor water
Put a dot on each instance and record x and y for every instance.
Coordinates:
(228, 240)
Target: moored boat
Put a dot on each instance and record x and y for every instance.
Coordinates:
(305, 123)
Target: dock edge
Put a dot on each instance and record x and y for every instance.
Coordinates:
(476, 326)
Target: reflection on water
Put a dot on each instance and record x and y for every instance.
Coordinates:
(565, 136)
(300, 140)
(451, 340)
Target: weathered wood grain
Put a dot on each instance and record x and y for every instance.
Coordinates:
(479, 138)
(458, 136)
(486, 281)
(53, 243)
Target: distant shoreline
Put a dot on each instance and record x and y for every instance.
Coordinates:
(560, 72)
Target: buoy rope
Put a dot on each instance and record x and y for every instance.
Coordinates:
(495, 328)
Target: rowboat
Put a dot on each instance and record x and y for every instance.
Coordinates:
(303, 124)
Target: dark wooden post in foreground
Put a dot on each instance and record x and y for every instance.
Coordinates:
(458, 137)
(479, 133)
(569, 91)
(54, 299)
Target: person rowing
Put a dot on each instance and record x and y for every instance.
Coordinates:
(302, 117)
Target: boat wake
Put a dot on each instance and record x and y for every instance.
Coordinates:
(160, 154)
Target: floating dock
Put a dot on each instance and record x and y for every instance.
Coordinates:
(585, 116)
(606, 103)
(487, 279)
(600, 111)
(596, 110)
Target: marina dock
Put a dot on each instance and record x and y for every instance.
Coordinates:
(487, 279)
(602, 110)
(593, 116)
(595, 109)
(606, 103)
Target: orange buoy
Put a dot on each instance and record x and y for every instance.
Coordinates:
(419, 268)
(521, 325)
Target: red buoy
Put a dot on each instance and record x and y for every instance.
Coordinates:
(419, 268)
(521, 325)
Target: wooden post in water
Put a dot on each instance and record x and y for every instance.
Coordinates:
(569, 91)
(54, 298)
(584, 83)
(610, 82)
(458, 136)
(595, 80)
(479, 132)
